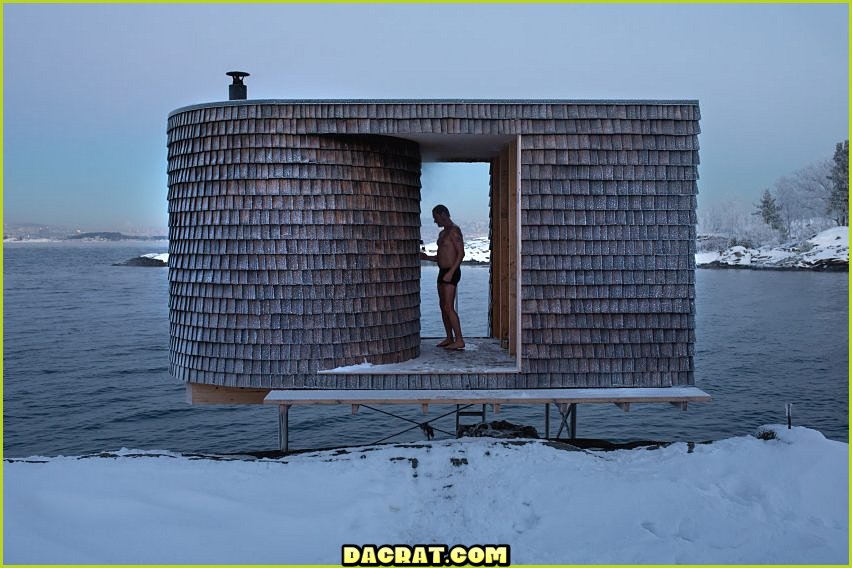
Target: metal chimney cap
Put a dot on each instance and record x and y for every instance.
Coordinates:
(238, 76)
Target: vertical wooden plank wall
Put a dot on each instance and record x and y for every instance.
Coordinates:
(494, 312)
(504, 247)
(513, 157)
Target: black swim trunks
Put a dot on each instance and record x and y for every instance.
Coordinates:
(454, 280)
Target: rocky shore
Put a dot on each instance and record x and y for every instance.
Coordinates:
(826, 251)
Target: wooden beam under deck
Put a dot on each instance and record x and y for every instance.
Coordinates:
(211, 394)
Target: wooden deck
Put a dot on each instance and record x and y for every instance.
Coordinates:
(622, 397)
(565, 399)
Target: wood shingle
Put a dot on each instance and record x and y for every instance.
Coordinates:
(294, 229)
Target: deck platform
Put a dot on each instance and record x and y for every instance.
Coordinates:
(565, 400)
(621, 396)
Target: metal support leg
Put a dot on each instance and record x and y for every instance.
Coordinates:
(547, 421)
(284, 427)
(574, 421)
(460, 411)
(568, 411)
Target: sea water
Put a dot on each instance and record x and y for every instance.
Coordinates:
(86, 363)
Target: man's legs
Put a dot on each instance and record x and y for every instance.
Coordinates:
(445, 317)
(447, 296)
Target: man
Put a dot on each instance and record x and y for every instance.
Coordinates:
(449, 258)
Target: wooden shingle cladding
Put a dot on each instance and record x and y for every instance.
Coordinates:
(607, 223)
(293, 256)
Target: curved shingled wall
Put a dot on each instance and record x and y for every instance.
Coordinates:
(289, 254)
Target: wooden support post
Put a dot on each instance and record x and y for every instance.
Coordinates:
(424, 408)
(625, 406)
(512, 157)
(496, 408)
(681, 405)
(355, 408)
(496, 251)
(504, 244)
(284, 427)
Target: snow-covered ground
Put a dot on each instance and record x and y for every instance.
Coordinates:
(162, 256)
(828, 249)
(16, 240)
(740, 500)
(476, 249)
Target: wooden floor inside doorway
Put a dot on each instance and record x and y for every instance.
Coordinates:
(481, 355)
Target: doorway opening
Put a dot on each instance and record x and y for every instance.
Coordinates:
(463, 187)
(477, 177)
(479, 182)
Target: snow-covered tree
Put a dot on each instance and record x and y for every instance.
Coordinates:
(793, 208)
(805, 192)
(838, 204)
(730, 223)
(770, 212)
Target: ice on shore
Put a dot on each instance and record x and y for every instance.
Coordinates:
(162, 256)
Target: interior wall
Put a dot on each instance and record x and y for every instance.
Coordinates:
(504, 208)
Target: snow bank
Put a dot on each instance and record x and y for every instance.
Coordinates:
(477, 249)
(828, 245)
(826, 250)
(20, 240)
(162, 257)
(358, 368)
(741, 500)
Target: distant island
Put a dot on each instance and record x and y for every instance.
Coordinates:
(112, 236)
(16, 231)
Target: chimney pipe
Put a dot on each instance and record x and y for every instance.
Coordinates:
(237, 90)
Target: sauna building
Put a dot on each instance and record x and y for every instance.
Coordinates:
(294, 230)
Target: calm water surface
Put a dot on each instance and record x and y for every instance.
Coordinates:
(86, 362)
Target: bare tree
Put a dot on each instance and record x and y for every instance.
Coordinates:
(731, 223)
(796, 207)
(805, 192)
(803, 197)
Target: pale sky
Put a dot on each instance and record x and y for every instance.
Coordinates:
(87, 88)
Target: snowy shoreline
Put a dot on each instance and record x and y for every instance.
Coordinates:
(778, 498)
(825, 251)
